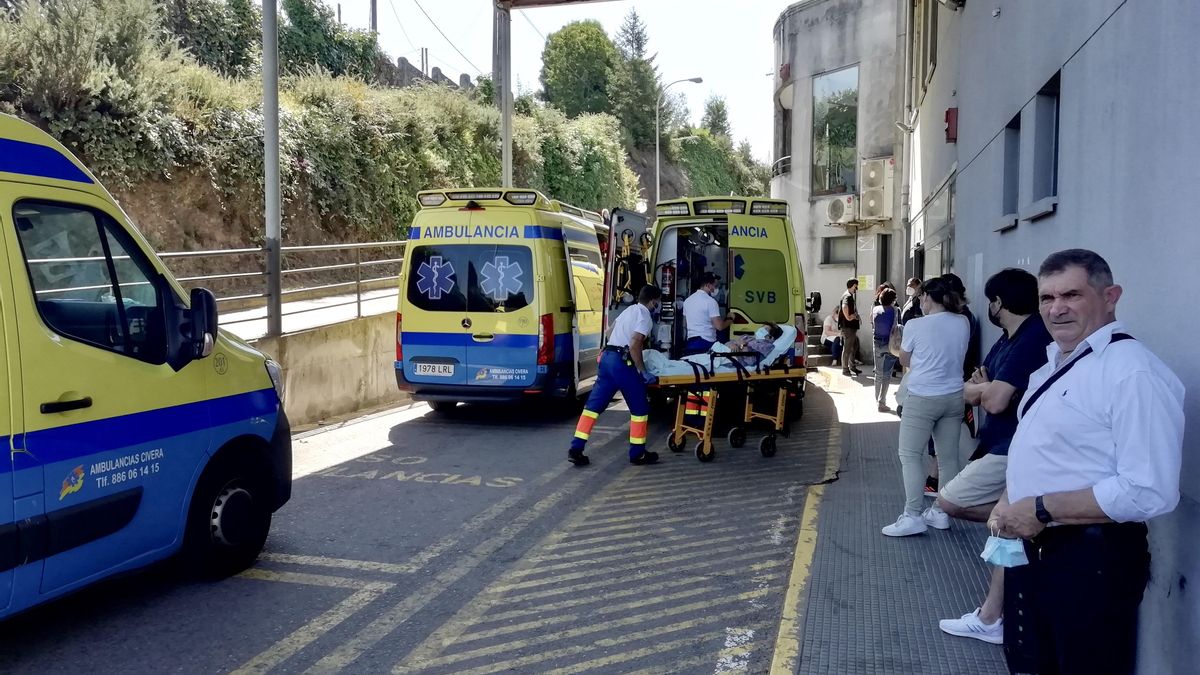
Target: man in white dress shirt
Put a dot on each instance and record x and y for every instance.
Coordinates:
(1096, 453)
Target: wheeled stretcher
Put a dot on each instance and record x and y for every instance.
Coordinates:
(767, 383)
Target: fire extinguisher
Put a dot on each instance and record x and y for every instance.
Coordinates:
(668, 280)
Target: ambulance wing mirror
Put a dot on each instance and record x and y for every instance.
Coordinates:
(814, 302)
(204, 322)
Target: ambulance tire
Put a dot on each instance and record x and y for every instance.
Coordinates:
(443, 407)
(229, 517)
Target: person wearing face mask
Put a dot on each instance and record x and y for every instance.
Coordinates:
(1097, 453)
(997, 386)
(623, 369)
(912, 306)
(703, 316)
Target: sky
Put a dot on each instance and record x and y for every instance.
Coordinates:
(730, 48)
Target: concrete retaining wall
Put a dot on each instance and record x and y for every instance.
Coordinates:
(337, 369)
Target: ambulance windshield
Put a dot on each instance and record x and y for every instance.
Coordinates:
(470, 278)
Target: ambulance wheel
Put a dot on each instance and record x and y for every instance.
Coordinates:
(229, 517)
(672, 445)
(736, 437)
(767, 446)
(443, 407)
(712, 454)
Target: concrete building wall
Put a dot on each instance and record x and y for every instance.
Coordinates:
(1126, 158)
(813, 38)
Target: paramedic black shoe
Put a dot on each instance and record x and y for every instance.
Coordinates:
(645, 458)
(577, 458)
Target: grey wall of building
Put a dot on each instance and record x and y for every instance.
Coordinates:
(816, 37)
(1127, 160)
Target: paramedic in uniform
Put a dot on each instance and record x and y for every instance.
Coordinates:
(622, 369)
(703, 316)
(1096, 454)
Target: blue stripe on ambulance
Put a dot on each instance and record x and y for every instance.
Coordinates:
(31, 159)
(529, 232)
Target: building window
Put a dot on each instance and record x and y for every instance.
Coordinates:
(835, 132)
(1045, 152)
(1012, 170)
(838, 250)
(929, 36)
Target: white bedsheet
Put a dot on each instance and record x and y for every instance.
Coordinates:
(659, 365)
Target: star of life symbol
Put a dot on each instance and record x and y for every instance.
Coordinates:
(436, 278)
(501, 279)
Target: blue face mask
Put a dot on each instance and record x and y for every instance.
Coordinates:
(1004, 552)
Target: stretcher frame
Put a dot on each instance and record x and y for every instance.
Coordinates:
(704, 387)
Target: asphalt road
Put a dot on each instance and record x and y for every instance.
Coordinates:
(465, 543)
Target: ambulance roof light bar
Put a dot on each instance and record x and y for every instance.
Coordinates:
(431, 199)
(673, 209)
(763, 208)
(720, 206)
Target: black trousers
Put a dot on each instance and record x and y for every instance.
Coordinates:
(1073, 609)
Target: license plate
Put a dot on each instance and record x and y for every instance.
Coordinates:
(434, 369)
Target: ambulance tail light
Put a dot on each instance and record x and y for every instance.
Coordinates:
(399, 332)
(801, 345)
(545, 355)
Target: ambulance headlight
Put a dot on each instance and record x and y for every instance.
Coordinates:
(275, 372)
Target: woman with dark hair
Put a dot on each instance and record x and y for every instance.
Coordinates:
(912, 306)
(932, 347)
(884, 318)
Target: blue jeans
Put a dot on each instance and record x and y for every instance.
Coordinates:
(885, 363)
(697, 345)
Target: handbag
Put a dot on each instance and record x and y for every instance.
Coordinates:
(894, 339)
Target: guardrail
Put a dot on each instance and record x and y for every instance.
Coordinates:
(336, 276)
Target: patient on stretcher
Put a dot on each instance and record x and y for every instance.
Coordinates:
(777, 340)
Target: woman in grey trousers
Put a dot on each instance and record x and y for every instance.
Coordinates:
(933, 348)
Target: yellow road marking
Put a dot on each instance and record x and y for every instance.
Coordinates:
(568, 545)
(339, 563)
(765, 564)
(614, 595)
(600, 663)
(772, 500)
(391, 619)
(644, 551)
(306, 634)
(635, 565)
(787, 644)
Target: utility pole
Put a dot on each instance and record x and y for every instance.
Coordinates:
(339, 13)
(270, 78)
(374, 16)
(425, 61)
(502, 73)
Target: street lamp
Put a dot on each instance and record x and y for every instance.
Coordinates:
(658, 135)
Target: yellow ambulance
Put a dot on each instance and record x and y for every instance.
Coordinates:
(134, 428)
(748, 242)
(501, 298)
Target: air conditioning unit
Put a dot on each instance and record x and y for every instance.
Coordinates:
(878, 177)
(841, 210)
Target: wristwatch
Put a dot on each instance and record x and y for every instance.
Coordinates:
(1043, 515)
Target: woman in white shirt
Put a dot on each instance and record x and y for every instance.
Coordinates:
(831, 337)
(933, 348)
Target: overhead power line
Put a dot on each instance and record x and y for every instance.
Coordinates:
(532, 24)
(443, 34)
(401, 25)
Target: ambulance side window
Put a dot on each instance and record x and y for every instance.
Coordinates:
(90, 282)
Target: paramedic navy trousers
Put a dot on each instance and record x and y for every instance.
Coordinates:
(616, 374)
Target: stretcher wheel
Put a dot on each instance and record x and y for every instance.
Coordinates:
(672, 445)
(736, 437)
(767, 446)
(786, 431)
(712, 454)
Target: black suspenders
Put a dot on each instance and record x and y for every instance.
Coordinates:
(1116, 337)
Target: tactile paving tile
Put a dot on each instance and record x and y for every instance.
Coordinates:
(873, 601)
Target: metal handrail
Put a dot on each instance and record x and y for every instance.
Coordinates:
(781, 166)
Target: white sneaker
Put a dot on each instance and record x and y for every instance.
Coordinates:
(970, 626)
(936, 518)
(904, 526)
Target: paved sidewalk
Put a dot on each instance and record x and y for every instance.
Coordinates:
(872, 602)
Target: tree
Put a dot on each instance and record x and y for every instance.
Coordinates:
(635, 85)
(312, 37)
(577, 67)
(716, 117)
(632, 37)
